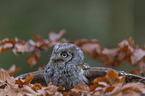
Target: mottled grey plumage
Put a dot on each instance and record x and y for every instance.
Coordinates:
(65, 71)
(67, 68)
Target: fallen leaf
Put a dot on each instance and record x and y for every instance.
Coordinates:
(80, 88)
(112, 76)
(28, 79)
(33, 58)
(137, 56)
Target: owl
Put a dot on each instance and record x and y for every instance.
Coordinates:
(67, 68)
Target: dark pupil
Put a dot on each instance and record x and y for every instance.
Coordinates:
(64, 54)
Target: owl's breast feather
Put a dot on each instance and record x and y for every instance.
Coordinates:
(65, 77)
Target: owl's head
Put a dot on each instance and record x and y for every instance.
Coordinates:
(66, 52)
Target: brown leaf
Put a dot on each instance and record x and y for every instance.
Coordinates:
(37, 38)
(137, 56)
(94, 86)
(9, 91)
(28, 79)
(19, 40)
(109, 89)
(37, 86)
(33, 58)
(21, 48)
(53, 37)
(28, 91)
(4, 76)
(100, 79)
(113, 90)
(60, 88)
(7, 44)
(97, 93)
(19, 82)
(51, 90)
(122, 79)
(6, 40)
(80, 88)
(131, 93)
(5, 47)
(16, 71)
(131, 42)
(49, 84)
(12, 70)
(112, 76)
(90, 47)
(136, 87)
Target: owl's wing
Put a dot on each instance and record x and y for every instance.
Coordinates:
(38, 77)
(93, 72)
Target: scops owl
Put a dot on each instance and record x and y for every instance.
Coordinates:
(67, 68)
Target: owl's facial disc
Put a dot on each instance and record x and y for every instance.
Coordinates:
(61, 57)
(66, 52)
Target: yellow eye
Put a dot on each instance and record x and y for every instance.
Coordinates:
(64, 54)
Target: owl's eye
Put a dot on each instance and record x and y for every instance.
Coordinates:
(64, 54)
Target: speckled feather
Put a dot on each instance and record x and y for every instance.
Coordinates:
(67, 72)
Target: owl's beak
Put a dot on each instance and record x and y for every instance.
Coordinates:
(56, 58)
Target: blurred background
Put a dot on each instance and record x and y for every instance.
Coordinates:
(109, 21)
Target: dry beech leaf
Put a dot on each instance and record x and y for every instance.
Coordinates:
(37, 38)
(28, 91)
(18, 40)
(113, 89)
(131, 93)
(60, 88)
(7, 44)
(53, 37)
(136, 87)
(12, 70)
(137, 55)
(11, 88)
(28, 79)
(10, 91)
(51, 89)
(38, 85)
(96, 93)
(6, 40)
(90, 47)
(19, 82)
(5, 47)
(58, 94)
(112, 76)
(109, 89)
(100, 79)
(49, 84)
(131, 41)
(95, 86)
(80, 88)
(33, 58)
(21, 48)
(4, 76)
(15, 71)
